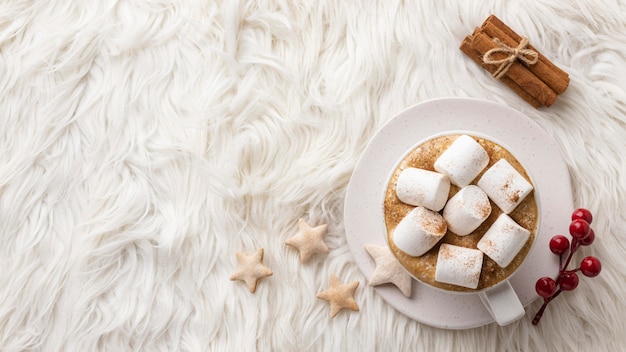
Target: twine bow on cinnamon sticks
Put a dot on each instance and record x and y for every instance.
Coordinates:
(519, 53)
(511, 59)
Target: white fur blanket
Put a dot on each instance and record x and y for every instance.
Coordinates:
(143, 143)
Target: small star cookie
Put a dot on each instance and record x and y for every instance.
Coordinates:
(308, 240)
(340, 296)
(251, 269)
(388, 269)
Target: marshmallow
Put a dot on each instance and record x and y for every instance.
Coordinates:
(466, 210)
(421, 187)
(419, 231)
(458, 265)
(462, 161)
(503, 240)
(504, 185)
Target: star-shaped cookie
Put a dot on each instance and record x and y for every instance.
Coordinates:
(308, 240)
(340, 296)
(388, 269)
(251, 269)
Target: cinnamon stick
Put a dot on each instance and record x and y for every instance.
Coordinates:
(518, 73)
(466, 47)
(544, 69)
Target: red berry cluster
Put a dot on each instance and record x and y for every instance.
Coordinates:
(582, 235)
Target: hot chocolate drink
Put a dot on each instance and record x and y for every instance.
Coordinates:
(508, 186)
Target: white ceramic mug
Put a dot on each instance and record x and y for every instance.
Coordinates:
(500, 300)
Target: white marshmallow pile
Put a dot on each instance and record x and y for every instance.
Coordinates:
(466, 210)
(419, 231)
(462, 161)
(504, 239)
(458, 265)
(504, 185)
(421, 187)
(422, 228)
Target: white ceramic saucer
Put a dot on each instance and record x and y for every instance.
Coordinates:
(539, 154)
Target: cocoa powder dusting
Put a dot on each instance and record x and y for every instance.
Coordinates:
(515, 196)
(433, 224)
(444, 252)
(483, 209)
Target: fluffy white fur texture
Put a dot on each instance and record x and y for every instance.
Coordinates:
(142, 143)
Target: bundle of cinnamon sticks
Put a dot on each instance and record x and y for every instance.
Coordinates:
(510, 58)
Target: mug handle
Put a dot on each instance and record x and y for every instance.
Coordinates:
(502, 303)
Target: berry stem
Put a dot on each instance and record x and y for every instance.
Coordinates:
(544, 306)
(540, 312)
(574, 247)
(562, 269)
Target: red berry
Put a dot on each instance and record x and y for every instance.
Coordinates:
(589, 239)
(590, 266)
(568, 280)
(559, 244)
(582, 213)
(579, 229)
(545, 287)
